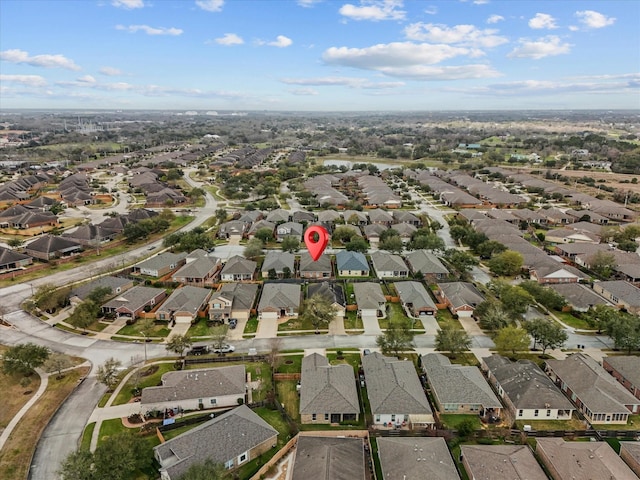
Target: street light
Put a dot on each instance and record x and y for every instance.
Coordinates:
(145, 346)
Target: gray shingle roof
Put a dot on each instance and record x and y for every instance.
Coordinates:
(502, 462)
(239, 265)
(134, 298)
(387, 262)
(578, 295)
(198, 269)
(331, 291)
(416, 458)
(243, 295)
(461, 293)
(355, 261)
(329, 458)
(526, 385)
(162, 260)
(278, 261)
(327, 389)
(113, 283)
(280, 295)
(368, 295)
(221, 439)
(595, 388)
(624, 291)
(202, 383)
(414, 293)
(457, 383)
(186, 299)
(628, 367)
(393, 386)
(307, 264)
(425, 262)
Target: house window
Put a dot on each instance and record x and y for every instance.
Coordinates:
(213, 401)
(242, 458)
(162, 316)
(535, 413)
(393, 418)
(313, 417)
(520, 413)
(377, 418)
(326, 416)
(548, 413)
(228, 464)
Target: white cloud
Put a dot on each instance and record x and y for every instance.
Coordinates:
(150, 30)
(87, 79)
(304, 92)
(548, 46)
(128, 4)
(229, 39)
(47, 61)
(542, 20)
(495, 19)
(110, 71)
(480, 2)
(458, 34)
(374, 10)
(210, 5)
(591, 19)
(281, 42)
(351, 82)
(27, 80)
(431, 10)
(308, 3)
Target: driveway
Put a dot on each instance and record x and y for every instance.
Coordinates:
(371, 325)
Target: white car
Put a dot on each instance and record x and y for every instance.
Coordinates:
(226, 348)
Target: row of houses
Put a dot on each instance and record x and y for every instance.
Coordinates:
(329, 395)
(376, 192)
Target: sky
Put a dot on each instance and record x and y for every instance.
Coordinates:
(320, 55)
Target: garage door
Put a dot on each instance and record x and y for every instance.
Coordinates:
(183, 318)
(269, 316)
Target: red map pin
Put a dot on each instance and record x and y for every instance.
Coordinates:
(316, 238)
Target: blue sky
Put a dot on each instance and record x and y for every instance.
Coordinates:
(320, 55)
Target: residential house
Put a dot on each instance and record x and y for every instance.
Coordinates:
(261, 224)
(597, 394)
(197, 389)
(402, 216)
(580, 297)
(238, 269)
(239, 436)
(426, 263)
(116, 285)
(184, 304)
(630, 453)
(372, 232)
(302, 216)
(233, 300)
(50, 247)
(331, 291)
(500, 462)
(329, 458)
(310, 268)
(282, 264)
(546, 270)
(198, 273)
(354, 217)
(12, 260)
(569, 235)
(233, 230)
(352, 264)
(388, 265)
(132, 302)
(589, 460)
(526, 391)
(279, 300)
(395, 393)
(459, 388)
(91, 235)
(328, 393)
(461, 298)
(625, 369)
(289, 229)
(380, 217)
(161, 264)
(620, 293)
(279, 215)
(415, 299)
(415, 457)
(30, 219)
(556, 216)
(405, 231)
(370, 299)
(328, 217)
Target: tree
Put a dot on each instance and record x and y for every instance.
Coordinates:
(179, 343)
(545, 296)
(451, 339)
(57, 363)
(429, 241)
(15, 242)
(489, 248)
(392, 244)
(221, 215)
(460, 260)
(206, 471)
(119, 456)
(625, 331)
(24, 358)
(600, 316)
(107, 373)
(265, 234)
(602, 263)
(491, 315)
(343, 234)
(78, 465)
(318, 310)
(219, 335)
(397, 338)
(357, 244)
(515, 300)
(84, 314)
(254, 248)
(48, 297)
(546, 332)
(507, 263)
(511, 340)
(290, 244)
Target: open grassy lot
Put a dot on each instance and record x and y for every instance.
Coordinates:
(17, 452)
(396, 315)
(13, 394)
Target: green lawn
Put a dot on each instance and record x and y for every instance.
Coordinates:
(85, 444)
(352, 359)
(352, 321)
(467, 358)
(444, 317)
(298, 324)
(200, 329)
(573, 424)
(159, 330)
(288, 396)
(572, 321)
(290, 364)
(251, 326)
(452, 421)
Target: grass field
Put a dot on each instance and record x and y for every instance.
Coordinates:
(452, 420)
(15, 457)
(14, 396)
(572, 321)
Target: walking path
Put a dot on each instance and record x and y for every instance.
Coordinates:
(44, 381)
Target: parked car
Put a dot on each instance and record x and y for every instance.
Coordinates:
(199, 350)
(226, 348)
(233, 323)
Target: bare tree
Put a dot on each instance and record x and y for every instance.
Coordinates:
(57, 363)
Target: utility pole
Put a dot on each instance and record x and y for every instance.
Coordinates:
(145, 346)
